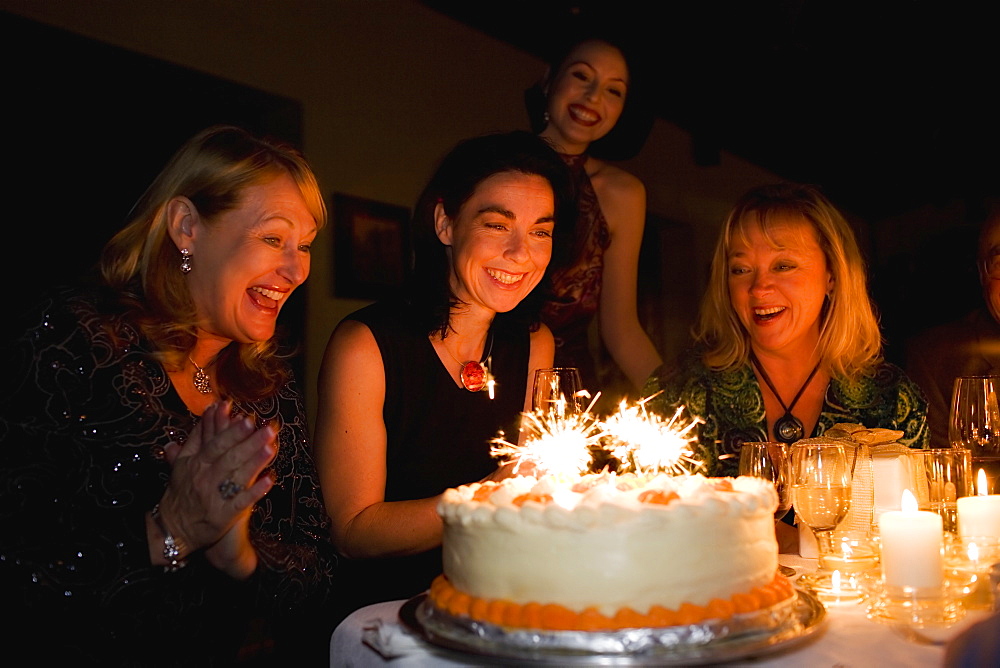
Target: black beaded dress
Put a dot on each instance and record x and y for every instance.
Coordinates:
(86, 411)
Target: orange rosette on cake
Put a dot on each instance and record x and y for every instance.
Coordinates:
(555, 617)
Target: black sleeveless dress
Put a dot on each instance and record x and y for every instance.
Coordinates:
(437, 433)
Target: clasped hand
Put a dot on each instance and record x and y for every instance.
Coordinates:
(214, 483)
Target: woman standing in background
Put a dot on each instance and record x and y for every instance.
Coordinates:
(595, 268)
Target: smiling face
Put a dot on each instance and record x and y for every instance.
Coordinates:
(586, 96)
(249, 259)
(501, 240)
(777, 284)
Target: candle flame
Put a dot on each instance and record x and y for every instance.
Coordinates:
(973, 552)
(835, 582)
(908, 502)
(982, 487)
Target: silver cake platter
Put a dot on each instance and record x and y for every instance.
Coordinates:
(774, 629)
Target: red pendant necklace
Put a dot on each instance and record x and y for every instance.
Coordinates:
(476, 376)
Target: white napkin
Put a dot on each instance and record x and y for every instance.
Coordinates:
(389, 639)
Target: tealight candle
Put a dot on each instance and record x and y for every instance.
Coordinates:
(912, 541)
(979, 515)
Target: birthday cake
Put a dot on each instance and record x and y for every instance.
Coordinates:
(608, 551)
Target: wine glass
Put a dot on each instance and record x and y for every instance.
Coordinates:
(974, 424)
(770, 462)
(559, 391)
(820, 476)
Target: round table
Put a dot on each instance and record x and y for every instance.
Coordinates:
(848, 638)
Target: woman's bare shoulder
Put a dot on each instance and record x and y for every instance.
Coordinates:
(613, 181)
(622, 197)
(351, 339)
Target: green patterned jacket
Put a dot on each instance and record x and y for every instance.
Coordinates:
(732, 407)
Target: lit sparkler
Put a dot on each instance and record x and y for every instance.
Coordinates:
(650, 443)
(564, 443)
(556, 441)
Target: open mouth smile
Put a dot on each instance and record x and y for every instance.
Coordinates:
(265, 298)
(767, 314)
(584, 115)
(505, 277)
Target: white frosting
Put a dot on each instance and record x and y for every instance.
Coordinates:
(603, 547)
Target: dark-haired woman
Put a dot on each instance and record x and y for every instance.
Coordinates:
(585, 93)
(412, 390)
(157, 492)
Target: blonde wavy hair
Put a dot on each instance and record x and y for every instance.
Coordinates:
(850, 343)
(141, 263)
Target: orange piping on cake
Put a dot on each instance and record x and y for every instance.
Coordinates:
(554, 617)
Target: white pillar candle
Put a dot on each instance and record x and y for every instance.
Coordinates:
(979, 515)
(911, 546)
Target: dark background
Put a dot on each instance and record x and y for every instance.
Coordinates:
(87, 128)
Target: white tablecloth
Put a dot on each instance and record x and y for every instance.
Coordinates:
(848, 639)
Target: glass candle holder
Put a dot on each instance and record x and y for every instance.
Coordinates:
(850, 555)
(926, 609)
(940, 477)
(968, 562)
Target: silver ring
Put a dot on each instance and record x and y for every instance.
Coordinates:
(228, 489)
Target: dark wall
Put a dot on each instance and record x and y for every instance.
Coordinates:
(86, 128)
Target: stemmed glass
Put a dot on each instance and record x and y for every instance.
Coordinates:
(770, 462)
(821, 490)
(558, 390)
(974, 424)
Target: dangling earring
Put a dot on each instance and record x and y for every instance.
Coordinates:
(185, 261)
(546, 117)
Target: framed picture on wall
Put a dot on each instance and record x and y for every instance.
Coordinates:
(371, 247)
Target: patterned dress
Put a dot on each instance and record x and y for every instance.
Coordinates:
(732, 407)
(85, 414)
(576, 289)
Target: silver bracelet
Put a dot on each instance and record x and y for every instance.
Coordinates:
(172, 548)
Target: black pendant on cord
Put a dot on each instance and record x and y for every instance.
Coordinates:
(787, 428)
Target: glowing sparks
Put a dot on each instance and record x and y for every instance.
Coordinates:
(560, 442)
(649, 443)
(555, 442)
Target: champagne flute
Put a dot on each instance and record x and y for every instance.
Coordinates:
(770, 462)
(558, 390)
(821, 490)
(974, 424)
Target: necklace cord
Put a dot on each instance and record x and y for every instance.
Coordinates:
(476, 376)
(770, 385)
